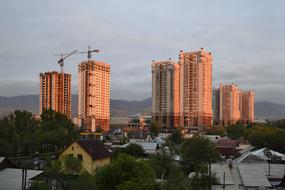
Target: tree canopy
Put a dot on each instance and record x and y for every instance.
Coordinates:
(196, 151)
(126, 173)
(21, 134)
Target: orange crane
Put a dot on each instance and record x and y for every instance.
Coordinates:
(63, 56)
(89, 52)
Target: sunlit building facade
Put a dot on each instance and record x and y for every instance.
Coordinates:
(94, 95)
(216, 106)
(232, 105)
(229, 104)
(55, 92)
(247, 107)
(196, 88)
(165, 93)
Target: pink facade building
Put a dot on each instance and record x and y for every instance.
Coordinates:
(55, 92)
(232, 105)
(247, 107)
(196, 88)
(165, 93)
(94, 95)
(229, 104)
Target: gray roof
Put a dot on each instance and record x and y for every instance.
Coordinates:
(148, 147)
(1, 159)
(247, 174)
(253, 176)
(11, 178)
(219, 170)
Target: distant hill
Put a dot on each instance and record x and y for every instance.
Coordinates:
(269, 110)
(31, 103)
(263, 110)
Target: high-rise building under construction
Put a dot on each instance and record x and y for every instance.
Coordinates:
(55, 92)
(94, 95)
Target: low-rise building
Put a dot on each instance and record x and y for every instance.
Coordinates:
(148, 147)
(92, 153)
(139, 121)
(13, 178)
(248, 176)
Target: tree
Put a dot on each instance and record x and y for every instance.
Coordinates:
(176, 180)
(176, 137)
(154, 128)
(16, 133)
(216, 131)
(38, 185)
(236, 131)
(271, 137)
(126, 173)
(58, 130)
(197, 151)
(204, 179)
(134, 150)
(83, 182)
(162, 163)
(72, 165)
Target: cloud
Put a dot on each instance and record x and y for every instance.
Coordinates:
(246, 39)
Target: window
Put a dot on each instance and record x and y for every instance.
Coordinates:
(79, 157)
(72, 148)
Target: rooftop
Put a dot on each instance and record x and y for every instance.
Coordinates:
(95, 148)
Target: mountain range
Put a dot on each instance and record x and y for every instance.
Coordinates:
(263, 110)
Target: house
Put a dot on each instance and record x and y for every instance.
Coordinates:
(93, 154)
(6, 163)
(227, 147)
(212, 138)
(248, 176)
(261, 155)
(138, 136)
(11, 177)
(148, 147)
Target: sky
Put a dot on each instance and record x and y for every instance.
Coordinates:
(246, 38)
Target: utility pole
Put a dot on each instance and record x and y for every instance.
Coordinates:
(24, 179)
(224, 181)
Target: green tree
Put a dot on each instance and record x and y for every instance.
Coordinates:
(85, 181)
(125, 173)
(16, 133)
(204, 179)
(197, 151)
(162, 163)
(271, 137)
(58, 130)
(176, 137)
(176, 180)
(72, 165)
(236, 131)
(134, 150)
(154, 128)
(39, 185)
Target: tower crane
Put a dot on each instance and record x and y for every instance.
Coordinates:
(63, 57)
(89, 52)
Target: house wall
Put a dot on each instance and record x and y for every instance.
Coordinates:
(87, 163)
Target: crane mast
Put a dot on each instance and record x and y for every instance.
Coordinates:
(62, 58)
(89, 52)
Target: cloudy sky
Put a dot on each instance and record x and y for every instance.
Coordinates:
(246, 38)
